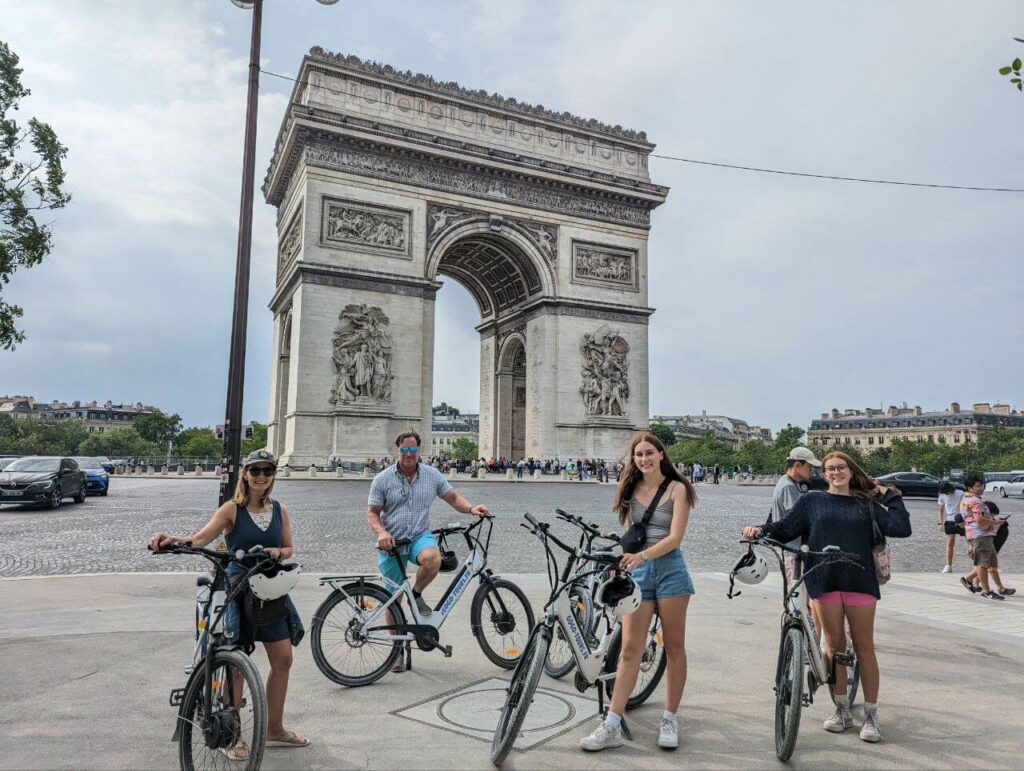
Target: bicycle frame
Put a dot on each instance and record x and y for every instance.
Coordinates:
(474, 565)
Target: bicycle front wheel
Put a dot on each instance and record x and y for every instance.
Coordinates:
(652, 664)
(502, 619)
(341, 648)
(520, 695)
(233, 735)
(560, 660)
(789, 688)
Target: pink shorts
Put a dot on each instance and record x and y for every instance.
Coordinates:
(847, 599)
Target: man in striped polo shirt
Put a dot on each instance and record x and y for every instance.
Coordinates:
(399, 507)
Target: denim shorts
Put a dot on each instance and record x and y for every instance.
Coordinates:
(666, 576)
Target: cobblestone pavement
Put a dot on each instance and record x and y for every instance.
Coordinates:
(329, 520)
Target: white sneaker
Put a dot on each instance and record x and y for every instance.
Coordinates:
(869, 731)
(669, 736)
(840, 720)
(604, 736)
(947, 569)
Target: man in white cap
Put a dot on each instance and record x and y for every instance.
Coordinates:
(790, 487)
(788, 490)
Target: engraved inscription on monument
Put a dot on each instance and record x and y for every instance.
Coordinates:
(605, 374)
(606, 266)
(363, 347)
(363, 227)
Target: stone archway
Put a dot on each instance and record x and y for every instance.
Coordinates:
(386, 182)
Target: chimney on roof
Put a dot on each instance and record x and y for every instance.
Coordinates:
(983, 408)
(76, 403)
(108, 404)
(824, 416)
(893, 410)
(954, 407)
(835, 413)
(1001, 409)
(917, 409)
(55, 404)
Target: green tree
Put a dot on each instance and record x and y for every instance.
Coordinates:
(752, 453)
(258, 440)
(465, 449)
(120, 442)
(198, 443)
(157, 427)
(8, 433)
(789, 437)
(664, 433)
(48, 437)
(1013, 70)
(31, 180)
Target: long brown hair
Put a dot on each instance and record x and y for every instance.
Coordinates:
(861, 485)
(243, 491)
(631, 476)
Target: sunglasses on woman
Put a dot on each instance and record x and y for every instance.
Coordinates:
(267, 471)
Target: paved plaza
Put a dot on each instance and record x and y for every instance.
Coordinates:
(107, 535)
(89, 660)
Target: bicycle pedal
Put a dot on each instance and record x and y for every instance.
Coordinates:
(447, 651)
(177, 697)
(189, 669)
(845, 659)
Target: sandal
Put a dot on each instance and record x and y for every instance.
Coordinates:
(239, 752)
(290, 739)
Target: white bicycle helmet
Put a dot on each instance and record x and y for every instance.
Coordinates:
(276, 582)
(752, 567)
(620, 594)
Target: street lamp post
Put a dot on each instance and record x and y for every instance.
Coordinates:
(236, 359)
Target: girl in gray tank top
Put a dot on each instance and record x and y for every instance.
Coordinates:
(661, 520)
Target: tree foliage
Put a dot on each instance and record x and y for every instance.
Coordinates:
(199, 443)
(464, 449)
(120, 442)
(34, 436)
(258, 440)
(157, 427)
(664, 433)
(31, 180)
(1013, 70)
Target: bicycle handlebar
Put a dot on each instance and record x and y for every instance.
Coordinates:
(222, 557)
(591, 528)
(828, 551)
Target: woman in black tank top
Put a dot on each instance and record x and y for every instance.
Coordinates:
(249, 519)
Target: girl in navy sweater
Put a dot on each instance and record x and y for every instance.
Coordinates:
(845, 593)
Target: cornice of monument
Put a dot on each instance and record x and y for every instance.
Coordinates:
(479, 96)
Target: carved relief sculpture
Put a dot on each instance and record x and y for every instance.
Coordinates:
(365, 227)
(291, 242)
(605, 374)
(362, 356)
(604, 266)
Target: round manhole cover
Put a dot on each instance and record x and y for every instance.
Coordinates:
(479, 710)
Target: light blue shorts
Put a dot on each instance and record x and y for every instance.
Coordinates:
(393, 566)
(666, 576)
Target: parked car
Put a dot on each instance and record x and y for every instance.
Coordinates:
(107, 463)
(42, 480)
(1015, 486)
(956, 475)
(97, 478)
(914, 483)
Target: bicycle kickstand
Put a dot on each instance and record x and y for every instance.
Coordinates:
(408, 655)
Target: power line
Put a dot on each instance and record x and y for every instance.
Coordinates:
(758, 169)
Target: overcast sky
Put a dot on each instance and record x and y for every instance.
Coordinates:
(777, 297)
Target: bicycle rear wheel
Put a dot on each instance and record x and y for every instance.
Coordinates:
(520, 694)
(238, 716)
(560, 660)
(789, 685)
(341, 649)
(652, 665)
(502, 618)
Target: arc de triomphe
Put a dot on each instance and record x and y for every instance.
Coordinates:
(384, 181)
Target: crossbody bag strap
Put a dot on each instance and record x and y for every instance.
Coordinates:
(654, 502)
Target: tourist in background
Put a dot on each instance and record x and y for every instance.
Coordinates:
(661, 572)
(980, 528)
(949, 506)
